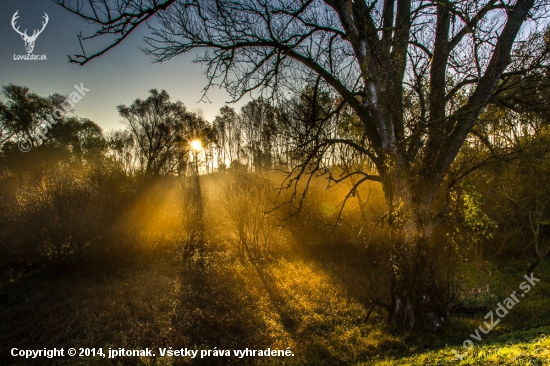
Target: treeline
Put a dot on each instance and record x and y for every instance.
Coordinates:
(84, 195)
(157, 133)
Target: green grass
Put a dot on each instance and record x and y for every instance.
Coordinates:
(520, 348)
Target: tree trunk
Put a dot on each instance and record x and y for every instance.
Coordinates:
(417, 294)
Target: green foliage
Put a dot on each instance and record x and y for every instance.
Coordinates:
(470, 224)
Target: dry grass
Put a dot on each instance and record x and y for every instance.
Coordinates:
(132, 308)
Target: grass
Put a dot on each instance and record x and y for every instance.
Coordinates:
(130, 308)
(228, 305)
(521, 348)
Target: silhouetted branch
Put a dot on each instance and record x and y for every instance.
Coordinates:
(119, 18)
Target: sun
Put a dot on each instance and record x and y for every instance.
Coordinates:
(196, 145)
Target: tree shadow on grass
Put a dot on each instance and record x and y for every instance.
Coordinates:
(322, 323)
(218, 309)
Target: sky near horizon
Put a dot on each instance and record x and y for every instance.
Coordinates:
(119, 77)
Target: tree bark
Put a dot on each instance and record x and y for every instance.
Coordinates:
(417, 295)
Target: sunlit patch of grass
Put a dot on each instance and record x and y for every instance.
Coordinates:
(325, 325)
(534, 350)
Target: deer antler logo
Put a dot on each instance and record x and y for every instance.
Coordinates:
(29, 41)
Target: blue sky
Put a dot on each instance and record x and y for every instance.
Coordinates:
(119, 77)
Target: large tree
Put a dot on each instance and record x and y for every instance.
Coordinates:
(417, 74)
